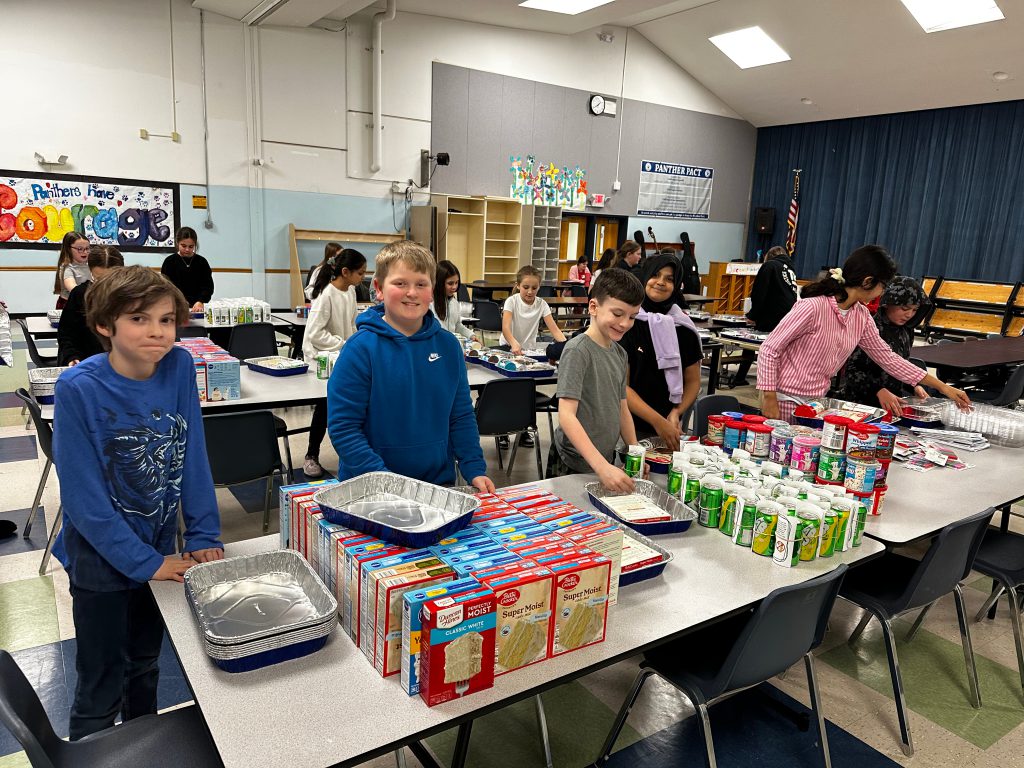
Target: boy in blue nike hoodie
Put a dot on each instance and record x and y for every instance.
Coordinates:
(128, 444)
(398, 399)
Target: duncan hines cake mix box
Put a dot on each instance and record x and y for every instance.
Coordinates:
(412, 602)
(580, 597)
(456, 646)
(523, 607)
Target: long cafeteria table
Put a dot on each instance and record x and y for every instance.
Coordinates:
(333, 709)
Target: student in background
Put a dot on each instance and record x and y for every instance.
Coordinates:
(523, 312)
(398, 399)
(604, 262)
(663, 351)
(189, 271)
(691, 272)
(446, 299)
(75, 340)
(580, 272)
(332, 320)
(592, 408)
(331, 249)
(129, 448)
(72, 266)
(799, 358)
(628, 257)
(772, 295)
(902, 307)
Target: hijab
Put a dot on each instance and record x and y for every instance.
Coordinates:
(652, 267)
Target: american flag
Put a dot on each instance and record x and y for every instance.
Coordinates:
(794, 214)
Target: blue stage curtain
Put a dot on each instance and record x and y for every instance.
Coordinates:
(942, 189)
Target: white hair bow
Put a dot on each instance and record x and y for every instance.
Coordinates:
(837, 274)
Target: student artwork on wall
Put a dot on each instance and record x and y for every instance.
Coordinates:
(674, 190)
(38, 209)
(542, 183)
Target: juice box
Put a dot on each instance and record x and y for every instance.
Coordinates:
(579, 602)
(523, 608)
(456, 645)
(412, 602)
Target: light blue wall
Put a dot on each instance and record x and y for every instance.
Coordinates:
(713, 241)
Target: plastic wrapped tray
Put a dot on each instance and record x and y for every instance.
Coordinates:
(648, 571)
(42, 381)
(53, 316)
(535, 371)
(682, 515)
(652, 444)
(737, 320)
(1001, 426)
(276, 365)
(829, 405)
(397, 509)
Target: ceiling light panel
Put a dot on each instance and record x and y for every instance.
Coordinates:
(940, 15)
(568, 7)
(750, 47)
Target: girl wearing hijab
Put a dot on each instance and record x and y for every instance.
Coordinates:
(663, 351)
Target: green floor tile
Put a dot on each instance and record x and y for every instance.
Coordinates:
(11, 417)
(935, 680)
(17, 375)
(28, 614)
(17, 760)
(578, 723)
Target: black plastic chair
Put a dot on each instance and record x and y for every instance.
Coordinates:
(893, 584)
(242, 447)
(176, 738)
(463, 293)
(40, 360)
(709, 405)
(191, 332)
(1009, 394)
(548, 404)
(547, 292)
(44, 434)
(507, 406)
(488, 315)
(741, 652)
(1001, 557)
(579, 291)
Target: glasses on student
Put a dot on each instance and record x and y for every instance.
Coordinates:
(80, 248)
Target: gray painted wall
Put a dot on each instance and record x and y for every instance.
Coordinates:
(481, 119)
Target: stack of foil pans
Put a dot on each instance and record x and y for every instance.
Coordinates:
(260, 609)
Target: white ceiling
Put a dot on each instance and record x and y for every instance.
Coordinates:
(850, 57)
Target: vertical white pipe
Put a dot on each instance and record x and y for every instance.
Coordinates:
(377, 126)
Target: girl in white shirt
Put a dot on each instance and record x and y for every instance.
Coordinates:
(446, 300)
(524, 311)
(332, 319)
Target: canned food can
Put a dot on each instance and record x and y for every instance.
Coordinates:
(716, 429)
(733, 415)
(735, 434)
(833, 432)
(831, 465)
(789, 531)
(883, 471)
(762, 541)
(773, 423)
(860, 474)
(862, 437)
(829, 530)
(675, 473)
(753, 418)
(725, 520)
(759, 440)
(321, 365)
(635, 461)
(743, 531)
(860, 521)
(887, 434)
(692, 489)
(809, 536)
(712, 495)
(878, 497)
(804, 455)
(780, 444)
(842, 510)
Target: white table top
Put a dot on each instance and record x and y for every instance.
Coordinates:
(290, 318)
(40, 327)
(920, 503)
(479, 375)
(300, 713)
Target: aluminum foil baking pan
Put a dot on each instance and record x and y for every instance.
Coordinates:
(271, 594)
(682, 515)
(397, 509)
(648, 571)
(226, 652)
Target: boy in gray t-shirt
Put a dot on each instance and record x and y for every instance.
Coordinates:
(592, 410)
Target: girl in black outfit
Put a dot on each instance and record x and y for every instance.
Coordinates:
(75, 341)
(656, 409)
(189, 271)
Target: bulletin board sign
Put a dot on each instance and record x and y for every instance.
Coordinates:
(38, 209)
(674, 190)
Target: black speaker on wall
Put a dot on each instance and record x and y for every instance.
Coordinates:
(764, 221)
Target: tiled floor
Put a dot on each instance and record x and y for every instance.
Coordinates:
(35, 625)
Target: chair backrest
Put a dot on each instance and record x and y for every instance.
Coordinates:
(252, 340)
(23, 714)
(44, 432)
(488, 315)
(463, 293)
(241, 446)
(708, 405)
(191, 332)
(40, 360)
(787, 624)
(1013, 389)
(947, 562)
(547, 292)
(506, 405)
(579, 291)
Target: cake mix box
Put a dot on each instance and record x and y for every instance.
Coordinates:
(537, 541)
(340, 565)
(518, 534)
(531, 549)
(294, 493)
(223, 377)
(523, 617)
(354, 558)
(603, 537)
(331, 535)
(386, 628)
(549, 513)
(474, 567)
(312, 516)
(506, 569)
(412, 602)
(456, 645)
(569, 520)
(452, 545)
(370, 574)
(579, 602)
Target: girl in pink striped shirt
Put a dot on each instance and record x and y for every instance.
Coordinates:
(799, 358)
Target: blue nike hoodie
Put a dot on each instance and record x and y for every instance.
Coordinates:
(401, 404)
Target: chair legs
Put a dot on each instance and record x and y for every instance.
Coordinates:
(812, 687)
(536, 449)
(918, 622)
(49, 542)
(542, 724)
(859, 629)
(993, 598)
(965, 639)
(620, 719)
(288, 459)
(266, 503)
(907, 741)
(704, 724)
(39, 494)
(512, 454)
(497, 447)
(1014, 599)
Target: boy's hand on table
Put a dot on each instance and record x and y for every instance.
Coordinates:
(173, 569)
(614, 479)
(483, 483)
(205, 555)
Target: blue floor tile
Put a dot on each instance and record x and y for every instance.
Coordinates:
(18, 543)
(9, 400)
(19, 448)
(754, 728)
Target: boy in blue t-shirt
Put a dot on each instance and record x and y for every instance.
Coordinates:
(398, 399)
(129, 446)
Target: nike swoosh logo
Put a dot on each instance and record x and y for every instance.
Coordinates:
(433, 356)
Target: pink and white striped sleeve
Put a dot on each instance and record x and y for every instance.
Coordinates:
(800, 321)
